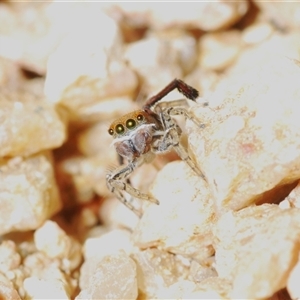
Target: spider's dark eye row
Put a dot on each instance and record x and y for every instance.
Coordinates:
(111, 131)
(140, 117)
(130, 123)
(120, 128)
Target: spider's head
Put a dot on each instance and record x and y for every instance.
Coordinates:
(130, 122)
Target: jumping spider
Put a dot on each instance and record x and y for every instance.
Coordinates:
(141, 134)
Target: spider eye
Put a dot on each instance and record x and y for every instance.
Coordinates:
(140, 117)
(130, 123)
(110, 131)
(120, 128)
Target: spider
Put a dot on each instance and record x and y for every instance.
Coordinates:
(141, 134)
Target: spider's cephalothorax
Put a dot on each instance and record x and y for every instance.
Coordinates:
(142, 133)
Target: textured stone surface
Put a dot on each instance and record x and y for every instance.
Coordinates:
(284, 17)
(96, 248)
(184, 217)
(10, 258)
(208, 16)
(108, 243)
(28, 124)
(217, 51)
(211, 288)
(8, 292)
(37, 288)
(293, 282)
(28, 192)
(113, 277)
(293, 199)
(87, 66)
(157, 270)
(55, 243)
(257, 33)
(27, 34)
(161, 58)
(256, 248)
(250, 144)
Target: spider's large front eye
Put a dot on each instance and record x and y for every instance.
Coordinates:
(110, 131)
(140, 117)
(130, 123)
(120, 128)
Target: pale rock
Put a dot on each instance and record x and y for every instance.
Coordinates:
(184, 217)
(207, 16)
(37, 288)
(28, 192)
(257, 33)
(219, 50)
(10, 258)
(157, 270)
(87, 68)
(293, 282)
(179, 290)
(211, 288)
(284, 17)
(108, 243)
(88, 141)
(4, 279)
(38, 262)
(266, 52)
(55, 243)
(256, 249)
(293, 199)
(28, 124)
(205, 81)
(152, 60)
(79, 173)
(106, 111)
(175, 50)
(8, 292)
(95, 249)
(115, 214)
(251, 140)
(87, 218)
(200, 272)
(15, 278)
(10, 74)
(28, 34)
(112, 277)
(41, 267)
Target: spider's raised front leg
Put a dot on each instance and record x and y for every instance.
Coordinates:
(116, 183)
(171, 137)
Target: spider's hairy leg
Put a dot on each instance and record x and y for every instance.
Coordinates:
(185, 157)
(186, 113)
(121, 198)
(116, 183)
(172, 136)
(178, 84)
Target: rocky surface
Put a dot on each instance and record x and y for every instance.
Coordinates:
(28, 192)
(234, 235)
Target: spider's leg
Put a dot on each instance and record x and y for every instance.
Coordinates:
(116, 183)
(186, 113)
(185, 157)
(172, 138)
(185, 89)
(127, 203)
